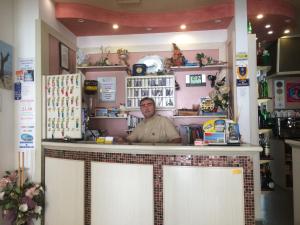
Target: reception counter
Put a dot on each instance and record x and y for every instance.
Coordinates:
(160, 184)
(295, 144)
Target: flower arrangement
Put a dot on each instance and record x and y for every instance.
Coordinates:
(220, 94)
(20, 204)
(203, 59)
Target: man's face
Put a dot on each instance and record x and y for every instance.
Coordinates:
(147, 108)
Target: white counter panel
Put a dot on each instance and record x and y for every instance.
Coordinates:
(194, 196)
(122, 194)
(296, 178)
(64, 181)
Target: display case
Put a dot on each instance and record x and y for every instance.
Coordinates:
(161, 88)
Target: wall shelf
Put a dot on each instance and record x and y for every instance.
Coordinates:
(102, 68)
(202, 116)
(198, 68)
(108, 117)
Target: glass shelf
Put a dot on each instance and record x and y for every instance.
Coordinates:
(263, 100)
(264, 131)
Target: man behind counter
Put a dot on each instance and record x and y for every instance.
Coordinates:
(154, 128)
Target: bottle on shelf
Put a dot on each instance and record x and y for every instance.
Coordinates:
(260, 118)
(265, 92)
(249, 28)
(259, 54)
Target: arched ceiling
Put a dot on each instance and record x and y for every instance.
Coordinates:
(95, 17)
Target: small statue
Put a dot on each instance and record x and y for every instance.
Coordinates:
(178, 59)
(167, 65)
(104, 55)
(123, 56)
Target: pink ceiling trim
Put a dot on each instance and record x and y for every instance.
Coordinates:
(271, 7)
(87, 12)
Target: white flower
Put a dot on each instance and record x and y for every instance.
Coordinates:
(220, 97)
(224, 90)
(23, 207)
(2, 195)
(38, 210)
(212, 94)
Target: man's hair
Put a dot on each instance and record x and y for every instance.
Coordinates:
(147, 98)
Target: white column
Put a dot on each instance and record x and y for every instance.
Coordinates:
(246, 108)
(243, 97)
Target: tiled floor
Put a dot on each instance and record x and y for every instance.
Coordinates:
(277, 207)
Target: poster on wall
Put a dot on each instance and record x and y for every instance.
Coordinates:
(25, 104)
(107, 89)
(6, 65)
(241, 69)
(293, 92)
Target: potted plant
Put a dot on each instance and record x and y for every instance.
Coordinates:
(20, 204)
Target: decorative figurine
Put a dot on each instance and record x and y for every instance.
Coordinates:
(123, 56)
(178, 59)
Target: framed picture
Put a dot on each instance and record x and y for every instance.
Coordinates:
(6, 66)
(64, 56)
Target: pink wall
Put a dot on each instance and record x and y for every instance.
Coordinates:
(185, 97)
(54, 63)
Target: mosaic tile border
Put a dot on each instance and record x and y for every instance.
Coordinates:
(158, 161)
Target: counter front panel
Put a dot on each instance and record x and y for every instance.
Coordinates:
(158, 162)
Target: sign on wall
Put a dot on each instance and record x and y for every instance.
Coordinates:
(25, 104)
(107, 89)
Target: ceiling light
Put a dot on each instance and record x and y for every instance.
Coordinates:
(115, 26)
(218, 21)
(80, 20)
(149, 28)
(260, 16)
(270, 32)
(182, 26)
(268, 26)
(287, 20)
(287, 31)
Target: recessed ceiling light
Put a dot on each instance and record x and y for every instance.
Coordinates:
(80, 20)
(149, 28)
(218, 21)
(268, 26)
(287, 31)
(260, 16)
(115, 26)
(182, 26)
(270, 32)
(287, 20)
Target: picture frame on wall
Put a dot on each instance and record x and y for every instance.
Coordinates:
(64, 56)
